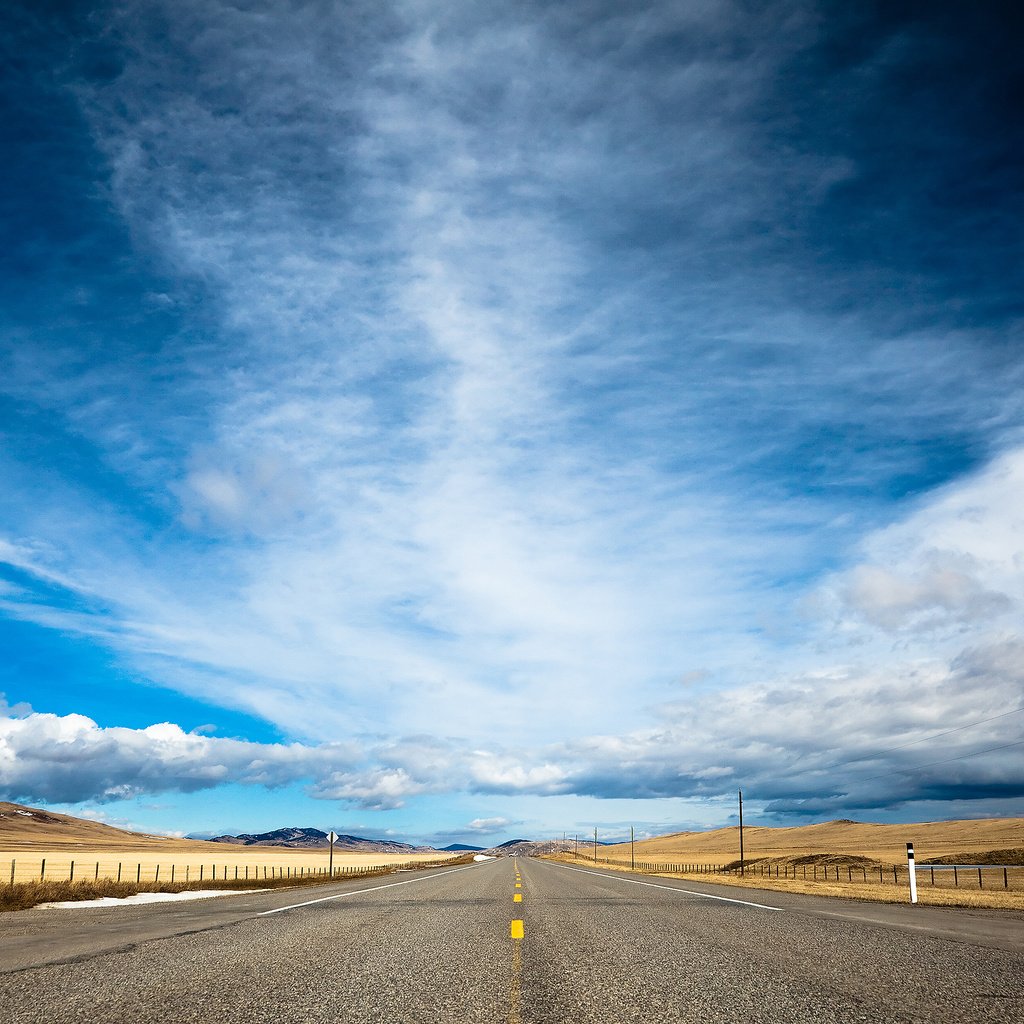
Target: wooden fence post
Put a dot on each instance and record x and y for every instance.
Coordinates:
(42, 870)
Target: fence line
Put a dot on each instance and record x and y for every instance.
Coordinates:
(145, 873)
(849, 873)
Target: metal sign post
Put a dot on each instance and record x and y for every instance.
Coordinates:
(912, 872)
(332, 838)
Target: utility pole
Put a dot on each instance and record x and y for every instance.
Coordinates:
(632, 856)
(595, 845)
(741, 832)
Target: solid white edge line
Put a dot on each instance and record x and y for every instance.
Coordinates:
(670, 888)
(356, 892)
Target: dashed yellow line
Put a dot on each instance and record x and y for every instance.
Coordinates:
(516, 931)
(515, 1006)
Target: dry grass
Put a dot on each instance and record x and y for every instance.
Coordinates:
(884, 843)
(23, 895)
(250, 862)
(858, 849)
(944, 896)
(29, 836)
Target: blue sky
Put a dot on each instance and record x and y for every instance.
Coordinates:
(452, 424)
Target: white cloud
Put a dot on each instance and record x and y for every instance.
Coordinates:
(955, 563)
(70, 759)
(946, 588)
(487, 826)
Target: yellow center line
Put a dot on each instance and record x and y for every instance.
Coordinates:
(515, 1013)
(516, 931)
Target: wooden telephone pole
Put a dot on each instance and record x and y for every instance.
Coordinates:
(741, 832)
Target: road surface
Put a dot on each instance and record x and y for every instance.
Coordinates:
(437, 947)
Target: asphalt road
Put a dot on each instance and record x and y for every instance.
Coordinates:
(438, 947)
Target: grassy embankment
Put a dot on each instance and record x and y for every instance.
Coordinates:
(798, 859)
(49, 857)
(23, 895)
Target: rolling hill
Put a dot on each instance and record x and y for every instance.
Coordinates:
(315, 839)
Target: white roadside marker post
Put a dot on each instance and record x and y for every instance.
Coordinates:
(912, 872)
(332, 837)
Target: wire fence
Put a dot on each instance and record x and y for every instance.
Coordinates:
(940, 876)
(61, 869)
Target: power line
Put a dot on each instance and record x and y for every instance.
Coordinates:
(902, 746)
(945, 760)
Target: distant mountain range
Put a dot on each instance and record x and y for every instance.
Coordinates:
(30, 828)
(530, 847)
(315, 839)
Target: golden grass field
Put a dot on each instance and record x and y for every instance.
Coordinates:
(191, 863)
(98, 851)
(798, 859)
(884, 843)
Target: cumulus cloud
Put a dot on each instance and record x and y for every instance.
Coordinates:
(953, 564)
(941, 591)
(847, 739)
(70, 759)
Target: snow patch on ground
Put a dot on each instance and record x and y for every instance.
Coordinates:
(143, 897)
(482, 856)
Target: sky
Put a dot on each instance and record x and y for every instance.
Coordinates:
(455, 422)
